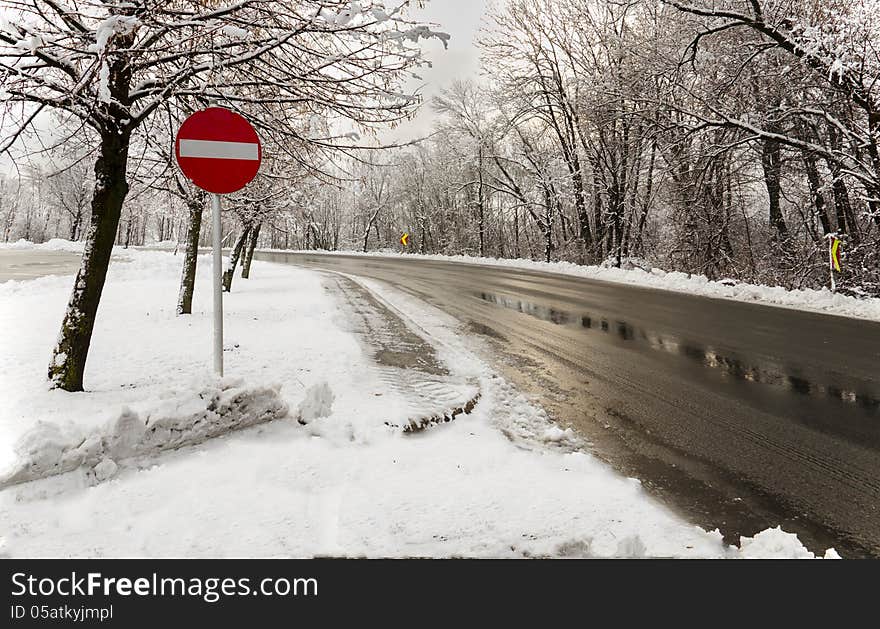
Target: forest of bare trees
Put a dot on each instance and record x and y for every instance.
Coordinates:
(727, 138)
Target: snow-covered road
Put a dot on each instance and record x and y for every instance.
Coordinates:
(502, 481)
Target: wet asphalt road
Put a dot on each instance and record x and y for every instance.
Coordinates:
(739, 416)
(28, 264)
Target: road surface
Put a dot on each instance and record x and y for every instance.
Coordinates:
(18, 264)
(738, 415)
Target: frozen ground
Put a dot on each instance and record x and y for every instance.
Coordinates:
(499, 482)
(641, 274)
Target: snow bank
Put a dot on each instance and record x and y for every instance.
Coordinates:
(162, 244)
(318, 403)
(19, 244)
(823, 301)
(184, 419)
(778, 544)
(55, 244)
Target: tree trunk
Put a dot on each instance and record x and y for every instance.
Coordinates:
(547, 226)
(841, 200)
(516, 253)
(846, 223)
(234, 258)
(598, 209)
(74, 224)
(481, 202)
(191, 256)
(128, 231)
(369, 227)
(646, 205)
(581, 205)
(815, 184)
(69, 357)
(771, 160)
(249, 252)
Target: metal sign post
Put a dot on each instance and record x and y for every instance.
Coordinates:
(218, 286)
(833, 259)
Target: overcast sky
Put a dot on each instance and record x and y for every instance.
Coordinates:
(462, 20)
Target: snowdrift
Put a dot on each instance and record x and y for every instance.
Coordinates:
(183, 420)
(55, 244)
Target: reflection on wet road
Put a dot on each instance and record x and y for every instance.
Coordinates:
(765, 373)
(739, 416)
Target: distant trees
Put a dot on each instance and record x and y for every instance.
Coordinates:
(69, 190)
(800, 83)
(46, 201)
(468, 125)
(720, 138)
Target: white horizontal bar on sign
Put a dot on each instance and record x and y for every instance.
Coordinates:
(210, 149)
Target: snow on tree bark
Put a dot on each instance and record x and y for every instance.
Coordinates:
(249, 251)
(234, 258)
(191, 255)
(67, 368)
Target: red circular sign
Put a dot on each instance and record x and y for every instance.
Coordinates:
(218, 150)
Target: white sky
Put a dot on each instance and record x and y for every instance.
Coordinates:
(462, 19)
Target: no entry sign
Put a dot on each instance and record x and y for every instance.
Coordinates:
(218, 150)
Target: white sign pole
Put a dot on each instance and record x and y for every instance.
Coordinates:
(218, 286)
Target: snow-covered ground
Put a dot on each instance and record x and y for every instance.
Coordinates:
(500, 482)
(824, 301)
(55, 244)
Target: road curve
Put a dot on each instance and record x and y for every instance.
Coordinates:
(740, 416)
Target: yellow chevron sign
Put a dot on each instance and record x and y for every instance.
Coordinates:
(835, 254)
(404, 240)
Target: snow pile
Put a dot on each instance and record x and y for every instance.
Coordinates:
(556, 434)
(628, 263)
(19, 244)
(465, 395)
(167, 245)
(778, 544)
(812, 300)
(55, 244)
(184, 419)
(318, 403)
(105, 470)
